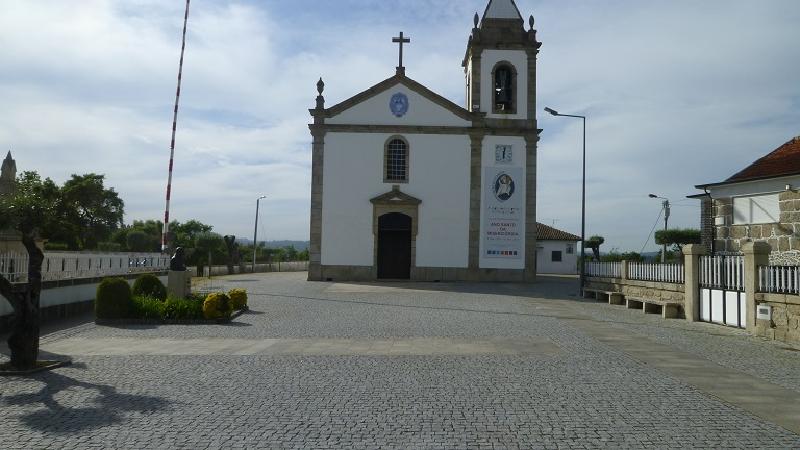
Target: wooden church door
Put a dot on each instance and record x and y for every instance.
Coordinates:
(394, 246)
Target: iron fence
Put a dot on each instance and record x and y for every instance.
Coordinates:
(779, 279)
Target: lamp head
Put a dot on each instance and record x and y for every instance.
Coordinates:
(551, 111)
(653, 196)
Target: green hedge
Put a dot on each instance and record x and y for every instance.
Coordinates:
(113, 300)
(183, 309)
(147, 308)
(148, 285)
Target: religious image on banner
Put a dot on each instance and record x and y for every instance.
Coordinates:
(503, 220)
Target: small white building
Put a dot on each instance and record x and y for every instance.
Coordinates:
(556, 251)
(409, 185)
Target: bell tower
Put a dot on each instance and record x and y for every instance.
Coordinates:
(500, 63)
(8, 175)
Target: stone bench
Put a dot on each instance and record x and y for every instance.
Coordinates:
(614, 298)
(667, 309)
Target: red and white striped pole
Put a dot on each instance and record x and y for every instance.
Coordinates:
(164, 238)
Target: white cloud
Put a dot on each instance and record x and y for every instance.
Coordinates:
(677, 93)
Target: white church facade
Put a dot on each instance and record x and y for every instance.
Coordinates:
(409, 185)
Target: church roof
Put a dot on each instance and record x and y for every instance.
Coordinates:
(399, 78)
(9, 162)
(502, 9)
(783, 161)
(547, 233)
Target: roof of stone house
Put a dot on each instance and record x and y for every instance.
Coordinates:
(547, 233)
(784, 160)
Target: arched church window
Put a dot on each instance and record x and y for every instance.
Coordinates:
(396, 161)
(505, 86)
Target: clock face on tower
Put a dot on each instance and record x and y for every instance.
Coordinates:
(502, 154)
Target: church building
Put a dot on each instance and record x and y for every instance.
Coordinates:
(409, 185)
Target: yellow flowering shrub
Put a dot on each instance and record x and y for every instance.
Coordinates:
(217, 306)
(238, 298)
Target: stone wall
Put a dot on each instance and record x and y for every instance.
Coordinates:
(785, 323)
(707, 224)
(783, 237)
(672, 292)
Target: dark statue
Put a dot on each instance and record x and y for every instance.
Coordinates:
(178, 261)
(233, 253)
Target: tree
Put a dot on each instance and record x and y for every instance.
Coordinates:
(290, 253)
(303, 255)
(29, 210)
(208, 247)
(594, 243)
(678, 237)
(186, 233)
(147, 236)
(626, 256)
(90, 211)
(233, 256)
(138, 241)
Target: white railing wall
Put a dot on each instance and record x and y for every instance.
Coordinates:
(666, 273)
(604, 269)
(724, 272)
(779, 279)
(74, 265)
(14, 266)
(284, 266)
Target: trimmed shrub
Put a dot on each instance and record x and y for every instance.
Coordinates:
(183, 309)
(238, 298)
(217, 306)
(148, 285)
(113, 300)
(147, 308)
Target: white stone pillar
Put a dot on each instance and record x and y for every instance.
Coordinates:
(755, 254)
(691, 282)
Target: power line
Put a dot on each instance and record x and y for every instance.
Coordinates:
(651, 231)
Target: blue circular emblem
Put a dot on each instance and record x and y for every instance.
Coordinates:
(503, 187)
(399, 104)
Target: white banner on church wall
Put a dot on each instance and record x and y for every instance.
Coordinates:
(503, 222)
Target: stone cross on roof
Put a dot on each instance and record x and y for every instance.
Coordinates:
(401, 40)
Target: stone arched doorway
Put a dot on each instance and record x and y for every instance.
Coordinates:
(394, 246)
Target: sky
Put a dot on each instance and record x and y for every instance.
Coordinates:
(677, 93)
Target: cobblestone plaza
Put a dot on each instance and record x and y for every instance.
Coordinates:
(409, 365)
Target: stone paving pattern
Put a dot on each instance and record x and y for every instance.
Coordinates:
(585, 394)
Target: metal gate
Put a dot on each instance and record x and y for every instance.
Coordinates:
(722, 297)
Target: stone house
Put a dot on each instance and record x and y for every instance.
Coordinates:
(760, 203)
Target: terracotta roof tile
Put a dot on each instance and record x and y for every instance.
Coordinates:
(784, 160)
(546, 233)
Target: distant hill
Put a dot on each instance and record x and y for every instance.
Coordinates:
(298, 245)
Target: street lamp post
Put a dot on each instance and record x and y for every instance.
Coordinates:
(255, 234)
(583, 195)
(665, 206)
